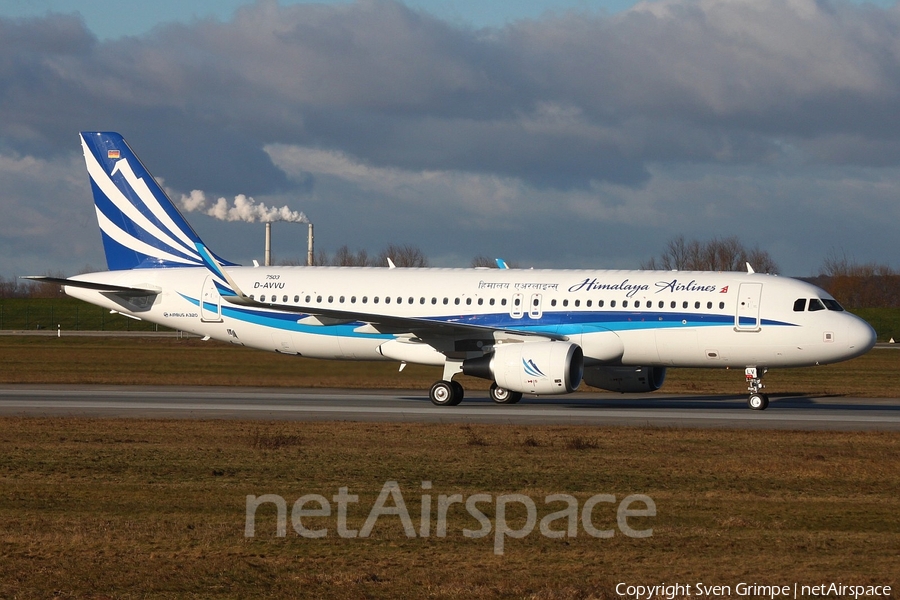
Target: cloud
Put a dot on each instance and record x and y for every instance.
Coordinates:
(613, 132)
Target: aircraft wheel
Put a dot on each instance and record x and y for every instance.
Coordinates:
(758, 401)
(443, 393)
(504, 396)
(458, 392)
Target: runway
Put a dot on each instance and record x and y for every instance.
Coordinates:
(656, 410)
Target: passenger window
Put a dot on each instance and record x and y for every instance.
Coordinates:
(307, 299)
(422, 300)
(625, 304)
(262, 298)
(565, 302)
(684, 304)
(721, 305)
(284, 298)
(480, 301)
(446, 301)
(352, 299)
(503, 302)
(387, 299)
(662, 304)
(318, 298)
(589, 303)
(709, 305)
(600, 303)
(673, 304)
(553, 302)
(296, 299)
(491, 301)
(815, 304)
(468, 302)
(375, 299)
(434, 300)
(330, 299)
(799, 304)
(365, 299)
(696, 305)
(456, 301)
(612, 303)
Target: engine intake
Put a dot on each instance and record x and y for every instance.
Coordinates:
(628, 380)
(531, 367)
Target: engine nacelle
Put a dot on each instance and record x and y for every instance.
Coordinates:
(531, 367)
(628, 380)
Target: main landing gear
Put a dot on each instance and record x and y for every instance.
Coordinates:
(446, 393)
(504, 396)
(757, 400)
(451, 393)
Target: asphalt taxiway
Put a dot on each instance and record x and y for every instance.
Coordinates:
(600, 409)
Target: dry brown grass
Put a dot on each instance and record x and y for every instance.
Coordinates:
(194, 362)
(155, 509)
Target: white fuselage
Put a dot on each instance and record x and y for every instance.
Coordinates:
(648, 318)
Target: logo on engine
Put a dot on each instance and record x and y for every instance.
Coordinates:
(532, 369)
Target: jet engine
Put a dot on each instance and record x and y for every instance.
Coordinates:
(531, 367)
(628, 380)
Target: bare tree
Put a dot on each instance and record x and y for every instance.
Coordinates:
(345, 258)
(291, 262)
(860, 285)
(482, 261)
(405, 255)
(718, 254)
(321, 258)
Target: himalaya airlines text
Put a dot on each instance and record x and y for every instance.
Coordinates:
(592, 284)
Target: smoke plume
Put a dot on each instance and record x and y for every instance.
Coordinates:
(244, 208)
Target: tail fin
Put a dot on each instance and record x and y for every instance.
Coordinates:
(140, 226)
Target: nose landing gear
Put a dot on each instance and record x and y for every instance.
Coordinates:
(757, 399)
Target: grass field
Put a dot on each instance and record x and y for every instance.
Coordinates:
(137, 508)
(67, 313)
(157, 509)
(140, 361)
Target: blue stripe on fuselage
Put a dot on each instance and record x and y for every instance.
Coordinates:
(559, 323)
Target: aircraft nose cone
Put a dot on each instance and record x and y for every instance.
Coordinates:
(860, 337)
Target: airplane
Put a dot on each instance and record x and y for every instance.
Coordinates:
(528, 331)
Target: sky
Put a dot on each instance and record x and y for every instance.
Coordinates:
(568, 134)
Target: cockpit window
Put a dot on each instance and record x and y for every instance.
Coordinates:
(815, 304)
(832, 305)
(800, 305)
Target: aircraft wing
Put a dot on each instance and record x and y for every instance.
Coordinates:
(418, 326)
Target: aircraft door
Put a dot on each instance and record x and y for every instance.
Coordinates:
(535, 309)
(747, 316)
(516, 310)
(210, 302)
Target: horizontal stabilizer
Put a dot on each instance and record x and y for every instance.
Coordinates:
(93, 285)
